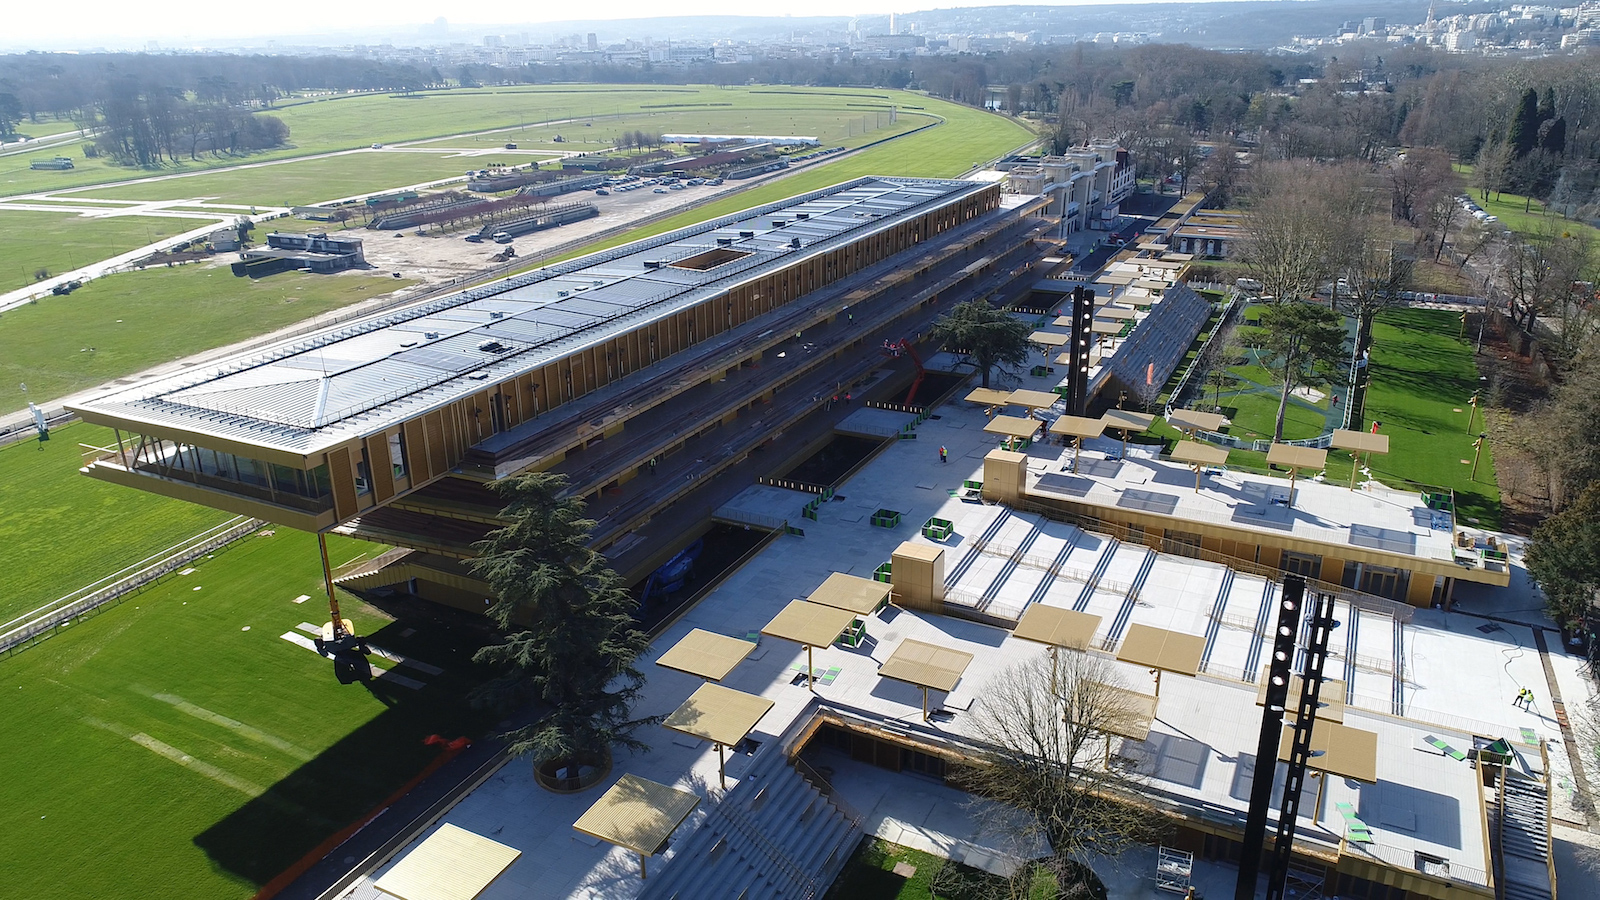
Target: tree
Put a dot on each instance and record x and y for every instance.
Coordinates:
(1043, 723)
(1304, 340)
(576, 652)
(1375, 278)
(1492, 171)
(1523, 131)
(990, 336)
(1564, 558)
(1300, 225)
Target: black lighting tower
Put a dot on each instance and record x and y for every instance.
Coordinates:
(1322, 625)
(1078, 349)
(1291, 601)
(1283, 645)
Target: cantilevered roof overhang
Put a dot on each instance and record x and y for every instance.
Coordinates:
(312, 393)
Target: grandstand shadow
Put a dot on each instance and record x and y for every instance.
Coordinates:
(273, 831)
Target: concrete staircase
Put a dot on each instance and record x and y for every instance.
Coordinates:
(774, 835)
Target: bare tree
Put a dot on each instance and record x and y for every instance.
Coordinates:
(1300, 222)
(1375, 276)
(1046, 723)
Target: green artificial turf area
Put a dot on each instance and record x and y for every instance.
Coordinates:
(60, 241)
(175, 746)
(869, 875)
(299, 182)
(65, 530)
(136, 320)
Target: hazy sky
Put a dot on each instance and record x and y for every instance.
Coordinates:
(119, 24)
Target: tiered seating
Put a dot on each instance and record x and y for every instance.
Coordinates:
(1161, 338)
(774, 835)
(1524, 838)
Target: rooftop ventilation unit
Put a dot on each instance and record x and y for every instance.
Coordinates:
(563, 293)
(496, 314)
(724, 242)
(795, 243)
(802, 216)
(652, 264)
(779, 223)
(492, 346)
(431, 335)
(747, 234)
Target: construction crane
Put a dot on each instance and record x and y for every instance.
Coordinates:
(894, 349)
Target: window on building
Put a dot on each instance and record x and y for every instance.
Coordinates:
(1307, 565)
(363, 474)
(397, 453)
(1183, 543)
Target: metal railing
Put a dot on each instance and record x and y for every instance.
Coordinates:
(27, 629)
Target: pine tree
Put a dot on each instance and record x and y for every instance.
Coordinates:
(1554, 141)
(575, 655)
(1523, 132)
(990, 336)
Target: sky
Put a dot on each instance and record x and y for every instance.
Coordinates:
(118, 24)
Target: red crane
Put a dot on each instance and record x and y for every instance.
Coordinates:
(894, 349)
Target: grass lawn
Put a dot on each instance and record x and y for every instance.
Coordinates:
(967, 136)
(347, 122)
(1509, 208)
(869, 875)
(302, 182)
(174, 746)
(71, 529)
(139, 319)
(60, 242)
(1421, 374)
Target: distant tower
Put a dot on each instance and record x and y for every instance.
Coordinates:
(594, 41)
(894, 24)
(1429, 26)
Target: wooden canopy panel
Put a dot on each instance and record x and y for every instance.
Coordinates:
(861, 596)
(988, 396)
(1122, 712)
(718, 714)
(1360, 441)
(1346, 752)
(1195, 420)
(1199, 454)
(926, 665)
(452, 864)
(1057, 626)
(706, 654)
(1105, 326)
(1033, 399)
(1291, 457)
(811, 624)
(1078, 427)
(1115, 312)
(1158, 648)
(1050, 338)
(1013, 426)
(1330, 701)
(637, 814)
(1127, 420)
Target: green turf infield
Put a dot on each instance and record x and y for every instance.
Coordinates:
(59, 242)
(176, 746)
(299, 182)
(136, 320)
(66, 530)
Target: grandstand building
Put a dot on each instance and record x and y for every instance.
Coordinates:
(602, 367)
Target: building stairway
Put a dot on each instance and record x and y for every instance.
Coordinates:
(1520, 839)
(775, 835)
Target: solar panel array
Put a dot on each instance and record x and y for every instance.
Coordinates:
(391, 367)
